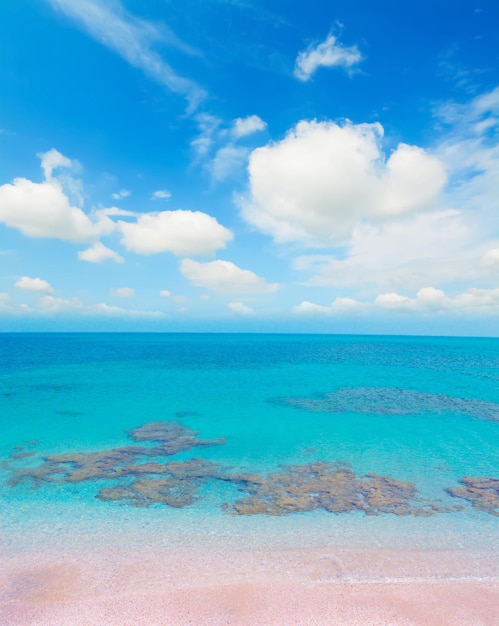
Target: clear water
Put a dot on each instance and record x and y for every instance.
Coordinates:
(424, 410)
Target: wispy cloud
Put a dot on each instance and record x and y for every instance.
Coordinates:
(119, 195)
(161, 194)
(133, 39)
(329, 53)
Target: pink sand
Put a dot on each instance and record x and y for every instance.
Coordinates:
(209, 586)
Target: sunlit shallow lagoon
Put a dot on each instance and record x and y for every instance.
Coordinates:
(284, 438)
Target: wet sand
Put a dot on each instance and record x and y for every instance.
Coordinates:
(213, 586)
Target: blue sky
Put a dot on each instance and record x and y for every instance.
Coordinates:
(233, 165)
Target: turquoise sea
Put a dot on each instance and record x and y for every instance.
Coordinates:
(354, 436)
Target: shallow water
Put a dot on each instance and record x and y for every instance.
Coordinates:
(419, 411)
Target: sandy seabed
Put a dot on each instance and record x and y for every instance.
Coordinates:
(206, 585)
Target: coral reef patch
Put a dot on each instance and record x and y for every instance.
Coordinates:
(140, 476)
(331, 487)
(178, 486)
(171, 437)
(392, 401)
(483, 493)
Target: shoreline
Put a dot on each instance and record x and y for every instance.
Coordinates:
(250, 587)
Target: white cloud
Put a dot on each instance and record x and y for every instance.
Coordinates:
(182, 232)
(123, 292)
(98, 253)
(107, 310)
(224, 277)
(329, 53)
(471, 151)
(133, 39)
(44, 210)
(209, 129)
(244, 126)
(392, 300)
(322, 178)
(451, 240)
(164, 293)
(123, 193)
(240, 308)
(52, 160)
(10, 308)
(340, 306)
(161, 194)
(428, 300)
(34, 284)
(50, 305)
(406, 254)
(491, 259)
(227, 160)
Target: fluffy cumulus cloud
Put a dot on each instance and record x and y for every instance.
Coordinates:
(244, 126)
(99, 253)
(44, 209)
(34, 284)
(453, 239)
(329, 53)
(316, 184)
(427, 300)
(225, 277)
(185, 233)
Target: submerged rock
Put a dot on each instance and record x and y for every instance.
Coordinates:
(483, 493)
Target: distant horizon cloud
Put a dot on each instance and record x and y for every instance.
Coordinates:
(427, 300)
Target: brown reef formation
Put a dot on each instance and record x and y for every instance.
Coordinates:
(177, 487)
(141, 477)
(483, 493)
(332, 487)
(171, 437)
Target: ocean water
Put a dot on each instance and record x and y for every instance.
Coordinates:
(296, 438)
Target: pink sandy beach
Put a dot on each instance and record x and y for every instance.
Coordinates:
(251, 587)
